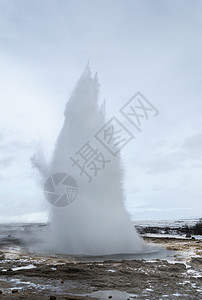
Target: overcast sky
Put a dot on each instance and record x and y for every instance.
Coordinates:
(154, 47)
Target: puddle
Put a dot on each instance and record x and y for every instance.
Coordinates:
(113, 294)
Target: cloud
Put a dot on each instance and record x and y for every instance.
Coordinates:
(134, 45)
(13, 143)
(163, 165)
(5, 162)
(193, 147)
(14, 146)
(189, 150)
(25, 218)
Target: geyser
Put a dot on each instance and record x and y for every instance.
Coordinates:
(96, 222)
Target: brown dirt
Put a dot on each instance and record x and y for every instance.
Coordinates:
(139, 279)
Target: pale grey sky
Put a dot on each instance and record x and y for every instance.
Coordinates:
(149, 46)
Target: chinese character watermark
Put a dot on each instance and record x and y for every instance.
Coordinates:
(114, 136)
(138, 108)
(61, 189)
(90, 161)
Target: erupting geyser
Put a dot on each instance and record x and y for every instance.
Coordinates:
(96, 222)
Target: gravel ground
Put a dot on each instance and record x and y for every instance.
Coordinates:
(27, 276)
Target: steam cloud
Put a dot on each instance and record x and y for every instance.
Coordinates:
(96, 223)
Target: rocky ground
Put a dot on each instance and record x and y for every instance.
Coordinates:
(178, 276)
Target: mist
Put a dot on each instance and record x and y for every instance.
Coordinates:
(95, 222)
